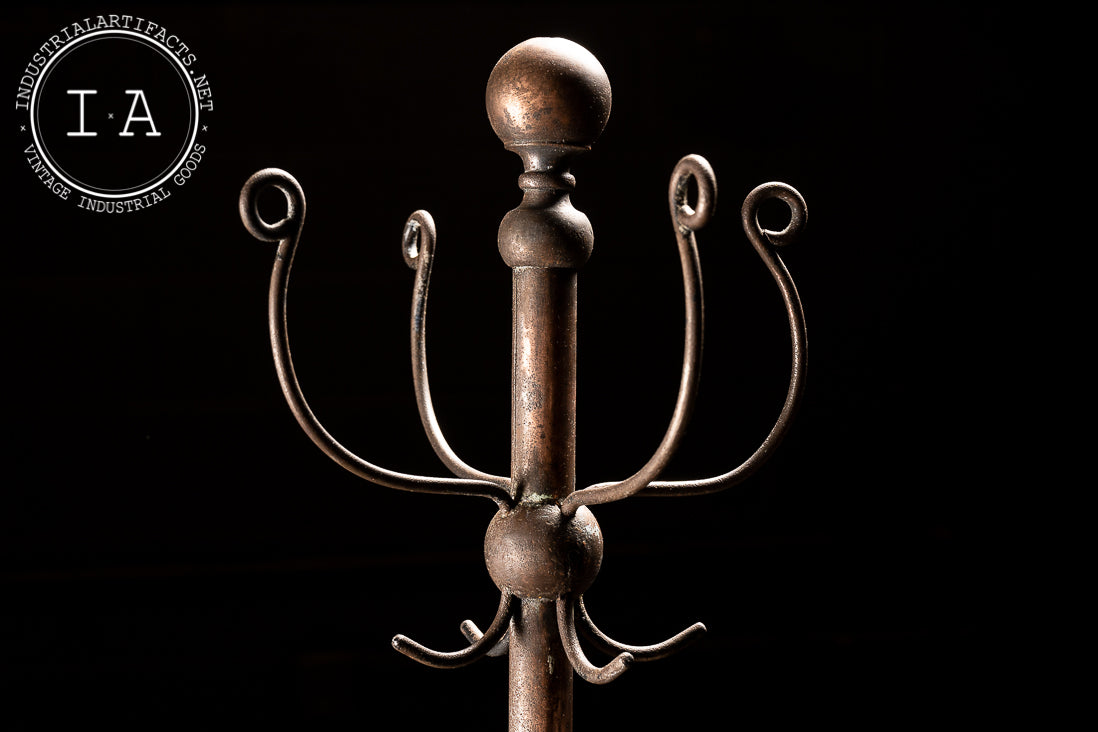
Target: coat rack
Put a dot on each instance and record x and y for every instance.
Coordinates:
(548, 100)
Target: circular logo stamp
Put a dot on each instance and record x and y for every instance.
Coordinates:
(113, 111)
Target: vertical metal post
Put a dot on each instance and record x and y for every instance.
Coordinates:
(539, 674)
(543, 384)
(543, 446)
(543, 425)
(545, 240)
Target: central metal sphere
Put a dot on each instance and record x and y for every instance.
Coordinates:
(535, 551)
(548, 91)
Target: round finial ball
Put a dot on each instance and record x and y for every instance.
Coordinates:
(538, 552)
(548, 91)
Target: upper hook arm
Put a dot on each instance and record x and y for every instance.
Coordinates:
(686, 221)
(419, 249)
(765, 243)
(287, 233)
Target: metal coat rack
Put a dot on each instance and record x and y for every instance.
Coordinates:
(548, 100)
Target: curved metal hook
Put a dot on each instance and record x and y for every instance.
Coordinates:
(483, 646)
(418, 245)
(765, 242)
(588, 671)
(287, 233)
(639, 653)
(687, 220)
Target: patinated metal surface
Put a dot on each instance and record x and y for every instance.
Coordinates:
(548, 100)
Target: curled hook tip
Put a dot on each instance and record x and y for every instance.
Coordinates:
(692, 218)
(418, 239)
(249, 205)
(410, 243)
(787, 194)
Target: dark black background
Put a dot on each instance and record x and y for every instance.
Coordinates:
(177, 554)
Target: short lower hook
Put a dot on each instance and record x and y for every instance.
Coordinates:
(588, 671)
(477, 650)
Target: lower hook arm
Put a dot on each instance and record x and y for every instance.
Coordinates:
(686, 221)
(640, 653)
(482, 646)
(588, 671)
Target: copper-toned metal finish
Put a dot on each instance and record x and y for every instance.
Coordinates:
(639, 653)
(686, 220)
(419, 253)
(479, 646)
(764, 242)
(287, 233)
(548, 100)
